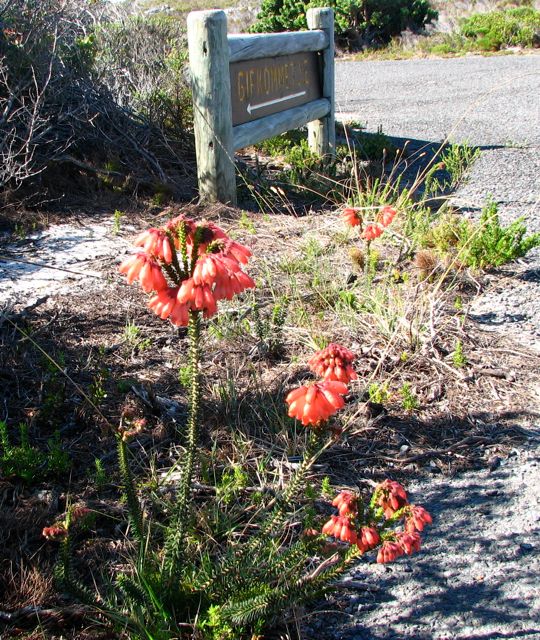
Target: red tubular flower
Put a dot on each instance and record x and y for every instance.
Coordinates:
(391, 497)
(345, 503)
(368, 538)
(312, 404)
(155, 242)
(146, 270)
(55, 532)
(165, 305)
(416, 518)
(197, 297)
(389, 552)
(164, 302)
(237, 251)
(334, 363)
(223, 272)
(351, 216)
(340, 527)
(409, 542)
(372, 231)
(386, 215)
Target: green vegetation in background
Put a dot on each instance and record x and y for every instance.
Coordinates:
(184, 6)
(357, 22)
(487, 244)
(479, 33)
(492, 31)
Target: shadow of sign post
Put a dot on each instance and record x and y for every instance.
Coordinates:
(250, 87)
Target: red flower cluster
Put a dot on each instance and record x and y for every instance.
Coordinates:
(390, 496)
(142, 267)
(386, 215)
(416, 518)
(198, 281)
(340, 527)
(343, 528)
(334, 363)
(55, 532)
(367, 527)
(368, 539)
(314, 403)
(375, 229)
(59, 530)
(345, 503)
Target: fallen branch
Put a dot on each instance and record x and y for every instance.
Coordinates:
(30, 616)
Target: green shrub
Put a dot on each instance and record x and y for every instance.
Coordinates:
(511, 28)
(458, 159)
(488, 244)
(151, 54)
(28, 463)
(358, 22)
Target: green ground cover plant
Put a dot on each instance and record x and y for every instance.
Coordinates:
(488, 244)
(491, 32)
(27, 462)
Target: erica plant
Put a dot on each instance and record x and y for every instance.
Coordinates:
(369, 231)
(191, 575)
(189, 267)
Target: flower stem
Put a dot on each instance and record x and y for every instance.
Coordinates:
(134, 508)
(174, 542)
(194, 334)
(313, 450)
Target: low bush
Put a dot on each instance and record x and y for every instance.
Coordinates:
(357, 22)
(82, 86)
(488, 244)
(519, 27)
(27, 462)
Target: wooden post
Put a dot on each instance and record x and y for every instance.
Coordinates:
(211, 86)
(322, 133)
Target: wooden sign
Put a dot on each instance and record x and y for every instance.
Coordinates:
(266, 86)
(250, 87)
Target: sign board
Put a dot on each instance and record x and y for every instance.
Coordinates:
(250, 87)
(266, 86)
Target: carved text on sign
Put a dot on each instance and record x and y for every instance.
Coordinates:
(269, 85)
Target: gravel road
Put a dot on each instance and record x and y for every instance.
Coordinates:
(478, 575)
(490, 101)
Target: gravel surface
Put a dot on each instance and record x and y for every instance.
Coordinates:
(53, 261)
(477, 577)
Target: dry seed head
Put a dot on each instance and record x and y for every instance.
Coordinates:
(357, 258)
(426, 262)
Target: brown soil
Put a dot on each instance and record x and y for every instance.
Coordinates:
(466, 416)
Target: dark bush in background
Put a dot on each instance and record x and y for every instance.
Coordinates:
(359, 23)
